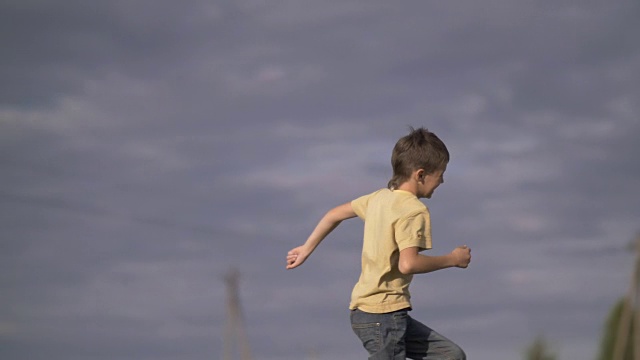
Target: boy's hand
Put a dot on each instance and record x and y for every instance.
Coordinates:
(462, 256)
(296, 256)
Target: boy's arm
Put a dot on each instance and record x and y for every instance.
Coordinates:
(325, 226)
(412, 262)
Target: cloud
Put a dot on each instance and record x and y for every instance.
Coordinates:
(146, 149)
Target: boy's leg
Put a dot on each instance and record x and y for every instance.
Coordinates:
(381, 334)
(424, 343)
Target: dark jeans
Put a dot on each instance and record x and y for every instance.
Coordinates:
(396, 336)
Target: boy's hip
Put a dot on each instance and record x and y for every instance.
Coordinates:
(380, 303)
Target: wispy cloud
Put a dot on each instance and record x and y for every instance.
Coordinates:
(147, 148)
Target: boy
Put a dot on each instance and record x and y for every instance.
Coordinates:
(396, 228)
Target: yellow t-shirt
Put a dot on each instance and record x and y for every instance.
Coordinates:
(393, 220)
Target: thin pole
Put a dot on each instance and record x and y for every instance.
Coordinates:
(235, 329)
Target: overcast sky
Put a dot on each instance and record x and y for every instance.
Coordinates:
(149, 147)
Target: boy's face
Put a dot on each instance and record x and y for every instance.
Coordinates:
(431, 182)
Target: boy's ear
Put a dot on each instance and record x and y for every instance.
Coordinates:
(420, 174)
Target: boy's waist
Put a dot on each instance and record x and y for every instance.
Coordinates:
(380, 301)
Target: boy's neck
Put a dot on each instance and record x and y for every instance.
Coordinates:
(409, 186)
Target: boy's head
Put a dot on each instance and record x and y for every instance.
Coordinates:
(421, 149)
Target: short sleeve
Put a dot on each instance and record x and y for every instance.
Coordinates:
(414, 230)
(359, 206)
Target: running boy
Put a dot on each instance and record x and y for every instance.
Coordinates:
(396, 229)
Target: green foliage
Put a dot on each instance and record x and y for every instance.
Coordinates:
(610, 334)
(539, 350)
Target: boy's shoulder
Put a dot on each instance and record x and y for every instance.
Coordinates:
(399, 202)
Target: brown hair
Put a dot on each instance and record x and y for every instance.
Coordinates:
(421, 149)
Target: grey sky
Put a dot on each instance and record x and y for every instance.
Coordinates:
(148, 147)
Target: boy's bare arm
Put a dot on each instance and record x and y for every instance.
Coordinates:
(412, 262)
(331, 220)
